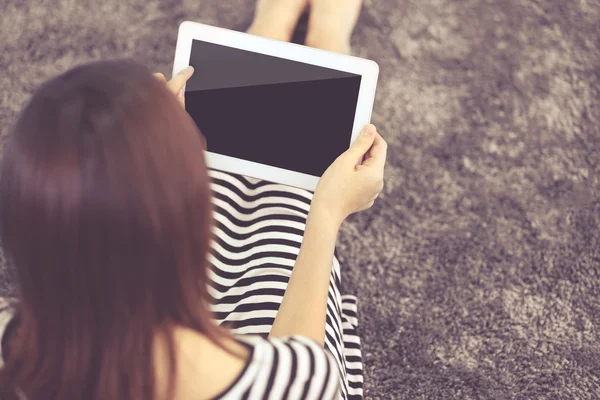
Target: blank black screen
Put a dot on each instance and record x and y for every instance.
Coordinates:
(270, 110)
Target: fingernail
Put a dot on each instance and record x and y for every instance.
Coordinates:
(190, 69)
(181, 93)
(369, 130)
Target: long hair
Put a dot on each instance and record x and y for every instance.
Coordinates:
(105, 212)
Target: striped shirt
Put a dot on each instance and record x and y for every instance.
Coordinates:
(285, 368)
(259, 227)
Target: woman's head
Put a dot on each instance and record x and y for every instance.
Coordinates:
(105, 212)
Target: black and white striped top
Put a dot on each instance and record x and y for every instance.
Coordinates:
(259, 227)
(285, 368)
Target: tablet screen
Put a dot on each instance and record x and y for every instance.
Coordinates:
(270, 110)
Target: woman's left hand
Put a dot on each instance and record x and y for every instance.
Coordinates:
(176, 84)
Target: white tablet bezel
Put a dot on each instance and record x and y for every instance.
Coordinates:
(369, 70)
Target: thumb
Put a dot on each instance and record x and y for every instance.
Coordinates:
(179, 80)
(363, 142)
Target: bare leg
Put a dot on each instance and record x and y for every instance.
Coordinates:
(331, 24)
(276, 19)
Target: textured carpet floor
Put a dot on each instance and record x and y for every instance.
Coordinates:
(478, 270)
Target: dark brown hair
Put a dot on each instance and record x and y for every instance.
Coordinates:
(105, 212)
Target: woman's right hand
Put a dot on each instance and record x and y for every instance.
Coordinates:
(347, 187)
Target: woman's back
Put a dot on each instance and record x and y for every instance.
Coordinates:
(275, 368)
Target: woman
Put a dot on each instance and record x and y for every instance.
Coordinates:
(107, 213)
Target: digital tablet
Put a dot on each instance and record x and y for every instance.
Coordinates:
(273, 110)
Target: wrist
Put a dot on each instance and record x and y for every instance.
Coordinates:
(325, 218)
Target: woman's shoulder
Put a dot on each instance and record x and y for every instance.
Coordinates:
(303, 341)
(293, 367)
(297, 345)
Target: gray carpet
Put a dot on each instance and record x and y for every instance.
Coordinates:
(478, 270)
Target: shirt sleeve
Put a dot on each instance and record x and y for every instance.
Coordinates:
(305, 370)
(7, 312)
